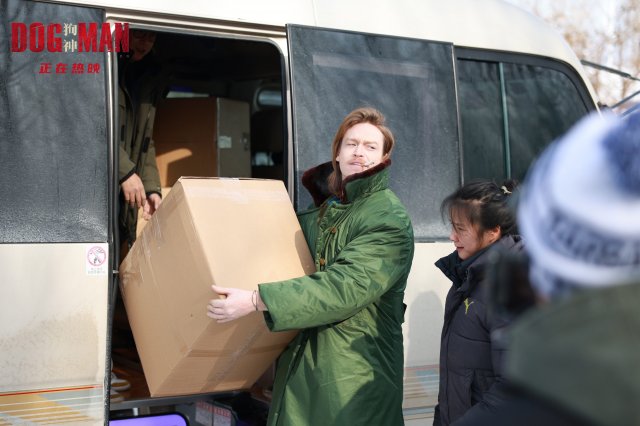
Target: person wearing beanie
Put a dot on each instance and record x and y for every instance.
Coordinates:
(482, 224)
(575, 358)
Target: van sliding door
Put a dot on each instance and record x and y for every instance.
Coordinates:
(410, 81)
(54, 251)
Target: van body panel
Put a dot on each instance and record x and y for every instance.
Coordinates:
(427, 289)
(50, 291)
(461, 22)
(425, 294)
(55, 252)
(78, 405)
(53, 324)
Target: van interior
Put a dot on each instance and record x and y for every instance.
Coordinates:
(220, 114)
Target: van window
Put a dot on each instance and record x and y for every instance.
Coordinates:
(53, 131)
(410, 81)
(509, 113)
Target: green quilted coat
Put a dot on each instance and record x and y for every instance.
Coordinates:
(345, 367)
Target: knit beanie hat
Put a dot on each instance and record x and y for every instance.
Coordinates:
(579, 210)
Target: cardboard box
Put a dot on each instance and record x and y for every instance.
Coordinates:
(232, 232)
(202, 137)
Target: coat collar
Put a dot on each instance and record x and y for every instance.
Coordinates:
(316, 181)
(458, 270)
(352, 187)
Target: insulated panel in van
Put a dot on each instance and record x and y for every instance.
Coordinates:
(206, 137)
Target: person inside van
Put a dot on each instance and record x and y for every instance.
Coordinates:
(346, 364)
(574, 358)
(482, 222)
(139, 91)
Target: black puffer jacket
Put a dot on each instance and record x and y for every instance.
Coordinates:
(470, 366)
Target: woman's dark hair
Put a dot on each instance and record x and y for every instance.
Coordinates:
(485, 204)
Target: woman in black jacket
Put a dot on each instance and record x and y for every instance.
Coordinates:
(470, 365)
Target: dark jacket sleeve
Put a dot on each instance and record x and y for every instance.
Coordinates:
(126, 166)
(523, 409)
(436, 416)
(150, 176)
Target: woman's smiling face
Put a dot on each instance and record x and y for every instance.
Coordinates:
(466, 238)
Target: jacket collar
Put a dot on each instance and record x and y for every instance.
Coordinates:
(374, 179)
(458, 270)
(316, 181)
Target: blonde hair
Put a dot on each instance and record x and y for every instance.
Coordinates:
(357, 116)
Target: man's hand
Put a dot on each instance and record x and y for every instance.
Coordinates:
(235, 303)
(153, 202)
(133, 191)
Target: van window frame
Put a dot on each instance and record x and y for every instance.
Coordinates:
(501, 58)
(527, 59)
(440, 152)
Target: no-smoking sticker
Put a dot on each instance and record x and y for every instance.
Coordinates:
(97, 259)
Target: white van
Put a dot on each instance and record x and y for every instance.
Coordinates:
(470, 89)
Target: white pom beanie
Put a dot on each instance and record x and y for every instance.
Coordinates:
(579, 210)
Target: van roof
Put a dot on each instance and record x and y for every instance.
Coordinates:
(487, 24)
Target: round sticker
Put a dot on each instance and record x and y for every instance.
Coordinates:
(96, 256)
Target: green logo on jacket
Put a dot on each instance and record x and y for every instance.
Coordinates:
(467, 303)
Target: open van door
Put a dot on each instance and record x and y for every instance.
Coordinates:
(55, 236)
(411, 82)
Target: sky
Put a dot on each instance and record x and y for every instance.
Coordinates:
(598, 12)
(596, 16)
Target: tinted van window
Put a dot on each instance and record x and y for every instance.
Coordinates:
(53, 134)
(410, 81)
(510, 112)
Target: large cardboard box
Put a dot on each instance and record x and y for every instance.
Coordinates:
(232, 232)
(202, 137)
